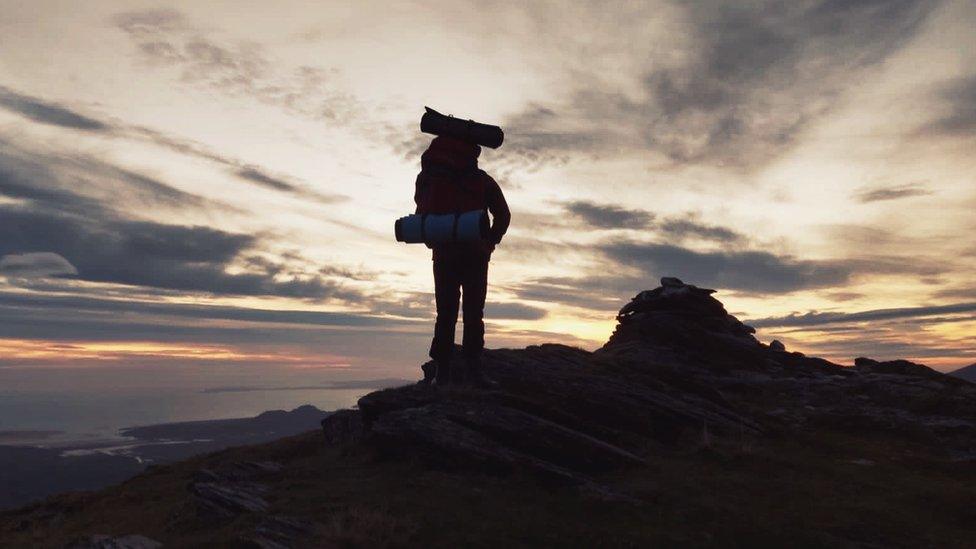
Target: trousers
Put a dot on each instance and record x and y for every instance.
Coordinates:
(457, 269)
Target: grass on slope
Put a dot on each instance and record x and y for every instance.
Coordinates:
(823, 490)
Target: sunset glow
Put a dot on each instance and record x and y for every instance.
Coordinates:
(217, 182)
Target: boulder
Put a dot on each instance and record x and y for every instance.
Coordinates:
(342, 426)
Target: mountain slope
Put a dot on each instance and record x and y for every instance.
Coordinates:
(682, 430)
(966, 372)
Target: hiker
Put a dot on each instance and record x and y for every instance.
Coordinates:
(449, 182)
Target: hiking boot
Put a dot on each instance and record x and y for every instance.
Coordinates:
(442, 378)
(476, 376)
(429, 369)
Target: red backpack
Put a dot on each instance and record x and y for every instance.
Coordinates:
(449, 180)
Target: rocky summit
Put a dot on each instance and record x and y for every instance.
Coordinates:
(682, 430)
(677, 368)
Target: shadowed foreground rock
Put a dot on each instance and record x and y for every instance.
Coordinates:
(677, 369)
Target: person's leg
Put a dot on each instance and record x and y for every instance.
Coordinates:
(447, 292)
(474, 280)
(475, 283)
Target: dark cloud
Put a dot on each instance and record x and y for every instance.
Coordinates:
(78, 209)
(843, 295)
(382, 383)
(891, 193)
(156, 255)
(597, 293)
(257, 176)
(496, 310)
(957, 292)
(609, 216)
(756, 271)
(63, 324)
(959, 97)
(248, 172)
(150, 21)
(49, 113)
(34, 265)
(880, 338)
(420, 305)
(748, 271)
(84, 186)
(45, 112)
(754, 75)
(689, 227)
(817, 318)
(69, 305)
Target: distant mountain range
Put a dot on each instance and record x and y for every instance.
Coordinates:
(29, 473)
(966, 372)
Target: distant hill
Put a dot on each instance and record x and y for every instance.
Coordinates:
(966, 372)
(683, 430)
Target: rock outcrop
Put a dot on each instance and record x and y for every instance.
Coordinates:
(233, 489)
(677, 368)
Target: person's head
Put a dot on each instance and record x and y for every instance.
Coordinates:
(455, 152)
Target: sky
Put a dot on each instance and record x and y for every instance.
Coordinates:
(192, 187)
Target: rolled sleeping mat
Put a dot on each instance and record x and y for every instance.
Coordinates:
(436, 123)
(442, 228)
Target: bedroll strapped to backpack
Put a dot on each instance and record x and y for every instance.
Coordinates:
(439, 229)
(436, 123)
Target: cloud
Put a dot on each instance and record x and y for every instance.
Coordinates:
(76, 304)
(65, 324)
(682, 228)
(84, 186)
(495, 310)
(959, 98)
(155, 255)
(48, 113)
(957, 292)
(45, 112)
(611, 216)
(331, 386)
(165, 38)
(597, 293)
(257, 176)
(243, 170)
(816, 318)
(735, 90)
(748, 271)
(608, 216)
(80, 209)
(35, 265)
(891, 193)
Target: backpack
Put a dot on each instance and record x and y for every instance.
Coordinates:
(450, 180)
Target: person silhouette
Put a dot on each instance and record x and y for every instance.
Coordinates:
(450, 182)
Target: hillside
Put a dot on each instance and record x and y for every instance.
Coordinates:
(683, 430)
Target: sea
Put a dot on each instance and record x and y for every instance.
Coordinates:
(66, 408)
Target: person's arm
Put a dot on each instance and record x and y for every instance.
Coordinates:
(500, 214)
(416, 193)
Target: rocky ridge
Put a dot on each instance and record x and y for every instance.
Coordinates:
(677, 369)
